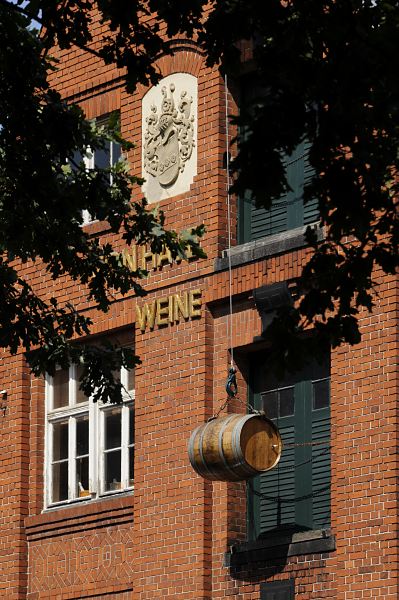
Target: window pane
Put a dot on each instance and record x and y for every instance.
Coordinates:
(130, 379)
(112, 468)
(321, 394)
(60, 440)
(60, 482)
(287, 402)
(112, 429)
(270, 404)
(76, 159)
(102, 158)
(116, 152)
(131, 425)
(61, 388)
(80, 395)
(131, 466)
(82, 476)
(82, 436)
(117, 375)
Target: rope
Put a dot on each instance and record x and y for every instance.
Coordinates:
(231, 383)
(313, 494)
(230, 320)
(297, 159)
(305, 462)
(278, 499)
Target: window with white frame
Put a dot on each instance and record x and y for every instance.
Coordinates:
(101, 158)
(89, 446)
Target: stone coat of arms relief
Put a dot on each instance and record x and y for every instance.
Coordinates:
(169, 135)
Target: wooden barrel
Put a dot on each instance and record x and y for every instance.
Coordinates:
(235, 447)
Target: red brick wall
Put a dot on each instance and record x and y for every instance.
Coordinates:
(78, 551)
(14, 471)
(168, 539)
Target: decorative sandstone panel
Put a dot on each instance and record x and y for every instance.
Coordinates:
(169, 136)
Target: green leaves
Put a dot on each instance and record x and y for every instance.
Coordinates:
(325, 77)
(45, 186)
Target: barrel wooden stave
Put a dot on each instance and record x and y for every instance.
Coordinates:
(234, 447)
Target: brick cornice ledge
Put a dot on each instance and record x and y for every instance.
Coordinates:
(80, 517)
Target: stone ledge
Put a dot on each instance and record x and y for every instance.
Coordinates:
(269, 246)
(277, 546)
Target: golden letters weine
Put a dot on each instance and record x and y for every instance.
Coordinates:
(169, 309)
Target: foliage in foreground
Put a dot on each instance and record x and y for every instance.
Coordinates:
(43, 195)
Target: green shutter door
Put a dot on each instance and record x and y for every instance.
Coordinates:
(321, 464)
(296, 493)
(278, 484)
(286, 489)
(303, 456)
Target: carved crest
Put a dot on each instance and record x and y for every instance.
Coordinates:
(169, 137)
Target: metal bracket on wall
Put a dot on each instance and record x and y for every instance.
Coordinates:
(268, 298)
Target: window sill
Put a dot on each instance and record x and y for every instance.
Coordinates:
(281, 545)
(268, 246)
(95, 228)
(80, 516)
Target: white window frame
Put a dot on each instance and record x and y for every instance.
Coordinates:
(95, 413)
(124, 447)
(88, 159)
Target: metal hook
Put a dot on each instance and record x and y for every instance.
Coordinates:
(231, 383)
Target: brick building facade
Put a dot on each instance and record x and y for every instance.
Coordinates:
(98, 530)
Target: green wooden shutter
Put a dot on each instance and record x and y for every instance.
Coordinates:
(268, 222)
(244, 209)
(299, 173)
(321, 467)
(278, 485)
(285, 213)
(295, 173)
(311, 208)
(303, 456)
(287, 488)
(296, 492)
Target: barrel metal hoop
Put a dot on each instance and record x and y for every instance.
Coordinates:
(212, 475)
(220, 444)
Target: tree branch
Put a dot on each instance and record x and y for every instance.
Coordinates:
(42, 22)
